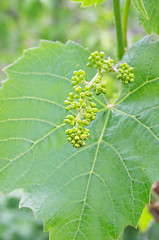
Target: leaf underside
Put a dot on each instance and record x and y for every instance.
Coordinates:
(93, 192)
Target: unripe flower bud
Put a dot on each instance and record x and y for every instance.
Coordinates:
(78, 89)
(102, 54)
(71, 94)
(66, 102)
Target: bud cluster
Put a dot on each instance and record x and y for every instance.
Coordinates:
(85, 109)
(77, 136)
(125, 73)
(97, 61)
(78, 78)
(99, 86)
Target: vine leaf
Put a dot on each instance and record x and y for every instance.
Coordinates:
(86, 3)
(141, 8)
(94, 192)
(151, 24)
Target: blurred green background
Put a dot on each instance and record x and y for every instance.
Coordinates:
(22, 24)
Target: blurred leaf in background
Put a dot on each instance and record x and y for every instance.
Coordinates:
(23, 23)
(18, 224)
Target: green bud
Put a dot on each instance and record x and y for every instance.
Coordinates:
(95, 110)
(74, 78)
(105, 68)
(72, 124)
(92, 104)
(77, 96)
(68, 131)
(75, 129)
(82, 94)
(88, 110)
(77, 145)
(74, 83)
(69, 99)
(89, 64)
(84, 105)
(68, 108)
(76, 138)
(69, 139)
(103, 84)
(131, 75)
(97, 58)
(86, 88)
(73, 142)
(71, 94)
(79, 121)
(81, 77)
(104, 90)
(97, 81)
(83, 136)
(75, 73)
(73, 106)
(67, 121)
(121, 70)
(98, 92)
(78, 104)
(89, 98)
(78, 89)
(80, 101)
(81, 72)
(85, 122)
(88, 115)
(131, 80)
(93, 118)
(70, 117)
(87, 93)
(66, 102)
(102, 54)
(98, 87)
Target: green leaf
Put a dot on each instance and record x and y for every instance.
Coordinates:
(140, 7)
(152, 23)
(86, 3)
(94, 192)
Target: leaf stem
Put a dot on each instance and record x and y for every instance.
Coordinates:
(125, 21)
(118, 26)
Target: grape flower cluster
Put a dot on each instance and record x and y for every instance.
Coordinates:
(125, 73)
(80, 102)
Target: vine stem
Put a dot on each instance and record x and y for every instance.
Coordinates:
(125, 21)
(118, 26)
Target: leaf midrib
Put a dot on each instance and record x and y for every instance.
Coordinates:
(91, 172)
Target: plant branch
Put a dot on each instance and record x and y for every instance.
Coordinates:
(118, 26)
(125, 21)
